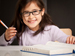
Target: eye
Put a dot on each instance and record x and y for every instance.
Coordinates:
(26, 12)
(35, 11)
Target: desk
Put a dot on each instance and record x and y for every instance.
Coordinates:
(10, 50)
(15, 51)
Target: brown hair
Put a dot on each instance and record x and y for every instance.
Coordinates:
(18, 22)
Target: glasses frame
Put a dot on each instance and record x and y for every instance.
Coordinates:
(30, 13)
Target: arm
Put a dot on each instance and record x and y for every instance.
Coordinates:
(3, 42)
(60, 36)
(8, 36)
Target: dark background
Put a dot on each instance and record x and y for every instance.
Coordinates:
(61, 11)
(7, 11)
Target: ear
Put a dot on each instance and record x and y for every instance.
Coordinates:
(43, 11)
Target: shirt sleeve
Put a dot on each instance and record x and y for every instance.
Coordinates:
(58, 35)
(3, 42)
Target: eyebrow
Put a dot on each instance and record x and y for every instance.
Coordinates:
(30, 11)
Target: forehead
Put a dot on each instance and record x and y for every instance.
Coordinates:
(31, 6)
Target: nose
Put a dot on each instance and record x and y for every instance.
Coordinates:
(31, 15)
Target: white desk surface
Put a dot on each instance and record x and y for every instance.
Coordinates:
(15, 51)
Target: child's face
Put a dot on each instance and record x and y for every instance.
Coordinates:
(32, 20)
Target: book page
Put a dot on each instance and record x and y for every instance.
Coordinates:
(62, 45)
(47, 49)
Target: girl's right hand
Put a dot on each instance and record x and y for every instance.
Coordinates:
(10, 33)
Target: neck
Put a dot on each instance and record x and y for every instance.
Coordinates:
(35, 28)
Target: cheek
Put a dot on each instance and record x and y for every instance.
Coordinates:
(25, 19)
(39, 17)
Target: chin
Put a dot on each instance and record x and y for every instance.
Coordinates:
(32, 26)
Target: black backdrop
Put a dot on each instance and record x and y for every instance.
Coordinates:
(61, 11)
(7, 10)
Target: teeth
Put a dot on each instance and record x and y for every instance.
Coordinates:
(31, 21)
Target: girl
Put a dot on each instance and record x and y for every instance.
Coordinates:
(32, 25)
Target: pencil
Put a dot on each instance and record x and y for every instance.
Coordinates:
(3, 24)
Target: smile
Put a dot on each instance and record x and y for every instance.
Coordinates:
(32, 21)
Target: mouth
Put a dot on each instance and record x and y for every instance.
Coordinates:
(32, 21)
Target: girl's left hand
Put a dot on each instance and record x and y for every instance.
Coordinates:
(70, 40)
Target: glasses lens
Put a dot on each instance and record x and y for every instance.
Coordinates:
(26, 14)
(36, 12)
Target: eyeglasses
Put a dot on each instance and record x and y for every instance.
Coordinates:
(26, 13)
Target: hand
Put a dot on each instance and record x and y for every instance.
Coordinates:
(70, 40)
(10, 33)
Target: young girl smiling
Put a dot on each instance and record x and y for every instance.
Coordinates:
(32, 25)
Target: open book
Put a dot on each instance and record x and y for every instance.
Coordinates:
(51, 48)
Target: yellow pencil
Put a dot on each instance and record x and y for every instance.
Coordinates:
(3, 24)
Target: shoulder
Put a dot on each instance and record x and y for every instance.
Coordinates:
(51, 27)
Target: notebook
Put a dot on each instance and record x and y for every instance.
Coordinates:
(51, 48)
(62, 45)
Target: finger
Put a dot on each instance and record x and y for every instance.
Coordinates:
(74, 40)
(67, 40)
(10, 37)
(12, 34)
(71, 39)
(12, 31)
(11, 28)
